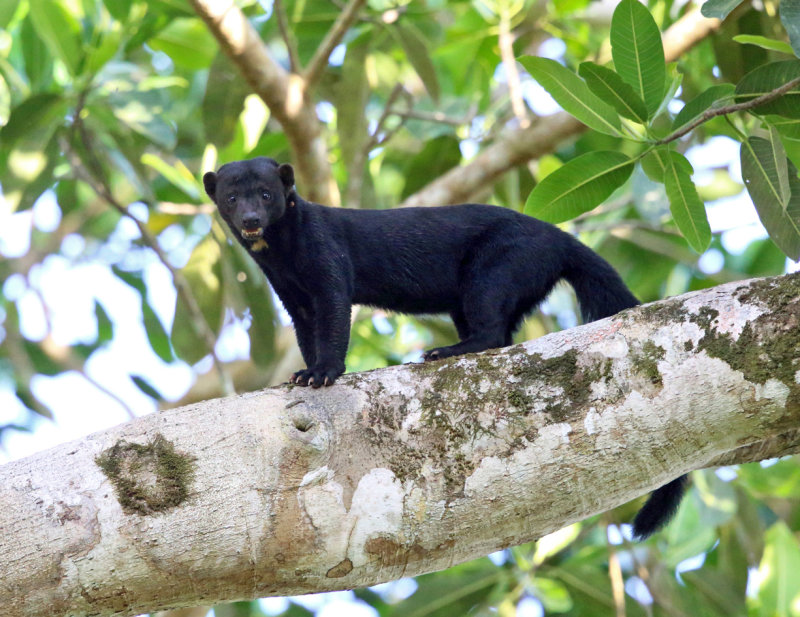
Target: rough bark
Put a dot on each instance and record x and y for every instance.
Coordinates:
(403, 470)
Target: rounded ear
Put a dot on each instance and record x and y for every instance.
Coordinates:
(286, 174)
(210, 182)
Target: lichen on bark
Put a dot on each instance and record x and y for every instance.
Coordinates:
(148, 478)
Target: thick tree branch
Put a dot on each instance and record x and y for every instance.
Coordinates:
(404, 470)
(284, 93)
(519, 146)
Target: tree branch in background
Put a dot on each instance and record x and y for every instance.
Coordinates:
(544, 136)
(506, 43)
(288, 36)
(444, 462)
(334, 36)
(284, 93)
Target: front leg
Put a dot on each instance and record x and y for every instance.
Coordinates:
(299, 307)
(331, 312)
(304, 325)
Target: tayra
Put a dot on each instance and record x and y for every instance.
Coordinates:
(486, 266)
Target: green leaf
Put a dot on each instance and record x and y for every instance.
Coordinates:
(778, 574)
(132, 278)
(761, 177)
(712, 98)
(638, 52)
(105, 328)
(59, 30)
(688, 210)
(31, 116)
(188, 42)
(578, 186)
(28, 398)
(553, 595)
(352, 94)
(203, 273)
(146, 387)
(781, 164)
(572, 93)
(789, 127)
(790, 18)
(223, 101)
(156, 334)
(719, 8)
(764, 43)
(419, 55)
(767, 78)
(674, 79)
(792, 147)
(38, 59)
(29, 148)
(656, 162)
(7, 12)
(178, 174)
(610, 87)
(455, 591)
(257, 298)
(106, 46)
(119, 9)
(436, 157)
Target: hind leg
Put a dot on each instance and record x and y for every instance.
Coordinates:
(482, 323)
(499, 290)
(460, 322)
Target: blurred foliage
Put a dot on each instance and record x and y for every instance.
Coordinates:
(112, 109)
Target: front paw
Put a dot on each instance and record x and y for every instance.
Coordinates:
(316, 377)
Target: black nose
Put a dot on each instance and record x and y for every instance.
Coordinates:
(251, 222)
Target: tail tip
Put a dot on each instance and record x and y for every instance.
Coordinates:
(659, 509)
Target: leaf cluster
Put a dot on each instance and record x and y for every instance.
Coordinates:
(630, 100)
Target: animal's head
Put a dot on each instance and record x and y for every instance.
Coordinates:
(251, 195)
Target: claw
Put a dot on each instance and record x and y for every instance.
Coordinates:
(327, 381)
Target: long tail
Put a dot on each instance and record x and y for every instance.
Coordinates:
(659, 508)
(600, 290)
(601, 293)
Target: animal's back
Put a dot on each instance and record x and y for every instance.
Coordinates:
(412, 259)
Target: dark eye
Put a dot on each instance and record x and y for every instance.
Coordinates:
(265, 195)
(231, 199)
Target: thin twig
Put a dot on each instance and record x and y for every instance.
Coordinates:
(288, 36)
(729, 109)
(376, 139)
(433, 116)
(333, 37)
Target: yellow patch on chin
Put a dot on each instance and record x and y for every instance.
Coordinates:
(259, 245)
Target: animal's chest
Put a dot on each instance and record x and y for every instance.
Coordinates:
(288, 277)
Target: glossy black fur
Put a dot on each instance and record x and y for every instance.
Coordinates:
(485, 266)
